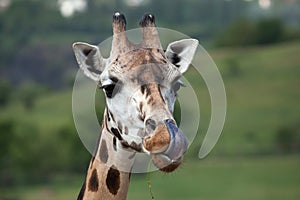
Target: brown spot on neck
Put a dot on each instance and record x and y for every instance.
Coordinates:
(113, 180)
(93, 182)
(103, 154)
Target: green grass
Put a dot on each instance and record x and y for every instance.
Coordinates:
(240, 178)
(263, 96)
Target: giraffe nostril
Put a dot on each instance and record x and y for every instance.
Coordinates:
(168, 121)
(150, 124)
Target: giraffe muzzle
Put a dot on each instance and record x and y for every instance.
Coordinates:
(167, 146)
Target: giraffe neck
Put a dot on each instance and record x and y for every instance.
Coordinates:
(109, 171)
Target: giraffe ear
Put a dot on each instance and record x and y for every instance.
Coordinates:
(89, 59)
(181, 53)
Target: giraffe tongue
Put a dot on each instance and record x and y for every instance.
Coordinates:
(178, 143)
(171, 158)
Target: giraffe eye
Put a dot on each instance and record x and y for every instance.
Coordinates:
(109, 90)
(111, 86)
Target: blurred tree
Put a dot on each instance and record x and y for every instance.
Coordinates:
(28, 93)
(233, 67)
(75, 153)
(5, 92)
(285, 138)
(25, 146)
(240, 33)
(245, 32)
(7, 136)
(269, 31)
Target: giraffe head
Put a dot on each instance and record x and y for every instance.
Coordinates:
(140, 82)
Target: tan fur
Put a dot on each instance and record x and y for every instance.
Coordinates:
(102, 191)
(159, 141)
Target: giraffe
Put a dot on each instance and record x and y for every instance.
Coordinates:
(140, 82)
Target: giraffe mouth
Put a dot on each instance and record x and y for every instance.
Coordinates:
(173, 144)
(164, 163)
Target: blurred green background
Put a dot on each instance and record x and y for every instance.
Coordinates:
(256, 46)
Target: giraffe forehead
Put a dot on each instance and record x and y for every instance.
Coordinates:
(143, 66)
(137, 57)
(149, 73)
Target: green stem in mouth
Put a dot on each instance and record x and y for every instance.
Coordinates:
(148, 178)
